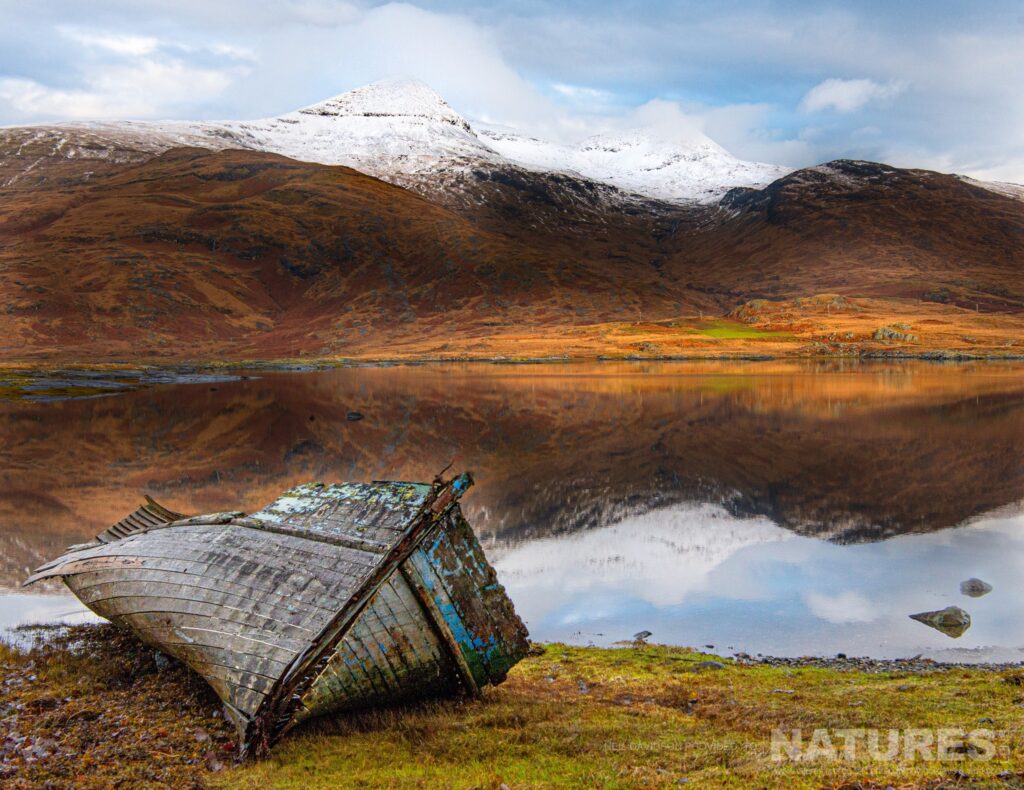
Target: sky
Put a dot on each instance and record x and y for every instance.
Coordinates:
(933, 84)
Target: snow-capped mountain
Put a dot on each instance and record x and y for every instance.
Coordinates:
(403, 131)
(673, 549)
(404, 127)
(639, 161)
(383, 129)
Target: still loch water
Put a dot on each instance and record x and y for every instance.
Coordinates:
(774, 508)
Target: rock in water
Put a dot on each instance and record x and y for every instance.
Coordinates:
(952, 620)
(640, 636)
(975, 588)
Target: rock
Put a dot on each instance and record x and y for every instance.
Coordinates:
(952, 621)
(43, 748)
(895, 332)
(353, 416)
(640, 636)
(709, 665)
(213, 762)
(42, 703)
(161, 661)
(975, 588)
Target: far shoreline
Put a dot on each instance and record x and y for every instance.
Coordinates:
(47, 381)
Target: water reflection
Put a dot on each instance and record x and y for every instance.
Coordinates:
(637, 462)
(697, 575)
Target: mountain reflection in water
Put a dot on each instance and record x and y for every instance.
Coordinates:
(689, 498)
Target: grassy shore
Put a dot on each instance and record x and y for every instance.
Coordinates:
(91, 708)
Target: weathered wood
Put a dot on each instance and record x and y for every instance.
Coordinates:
(150, 514)
(275, 713)
(229, 606)
(301, 591)
(414, 577)
(332, 598)
(250, 641)
(283, 603)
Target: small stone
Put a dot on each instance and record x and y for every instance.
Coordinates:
(975, 588)
(709, 665)
(353, 416)
(213, 762)
(952, 621)
(43, 748)
(841, 656)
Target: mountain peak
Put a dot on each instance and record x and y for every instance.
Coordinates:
(394, 98)
(648, 141)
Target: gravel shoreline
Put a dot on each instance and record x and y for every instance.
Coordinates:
(915, 665)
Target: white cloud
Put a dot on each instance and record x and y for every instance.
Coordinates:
(232, 51)
(846, 607)
(561, 73)
(144, 89)
(848, 95)
(118, 43)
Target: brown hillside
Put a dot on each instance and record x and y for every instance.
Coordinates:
(863, 229)
(196, 254)
(199, 254)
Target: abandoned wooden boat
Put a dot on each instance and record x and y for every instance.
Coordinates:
(332, 598)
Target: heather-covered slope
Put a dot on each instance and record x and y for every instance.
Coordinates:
(222, 255)
(236, 254)
(865, 229)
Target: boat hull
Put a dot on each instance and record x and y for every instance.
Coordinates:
(332, 599)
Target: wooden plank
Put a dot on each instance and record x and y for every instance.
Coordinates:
(337, 581)
(174, 610)
(466, 588)
(225, 543)
(217, 644)
(411, 573)
(124, 608)
(284, 621)
(309, 612)
(363, 511)
(304, 590)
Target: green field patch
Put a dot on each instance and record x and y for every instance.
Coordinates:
(735, 330)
